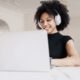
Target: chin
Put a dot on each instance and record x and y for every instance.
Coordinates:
(48, 32)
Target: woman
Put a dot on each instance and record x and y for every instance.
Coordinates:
(53, 17)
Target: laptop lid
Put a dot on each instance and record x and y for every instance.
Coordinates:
(24, 51)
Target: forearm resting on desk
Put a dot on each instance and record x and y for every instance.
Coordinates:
(68, 61)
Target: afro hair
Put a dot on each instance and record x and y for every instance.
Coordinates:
(51, 7)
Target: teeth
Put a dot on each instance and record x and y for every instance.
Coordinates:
(47, 28)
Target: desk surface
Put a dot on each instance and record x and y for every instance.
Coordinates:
(66, 73)
(57, 73)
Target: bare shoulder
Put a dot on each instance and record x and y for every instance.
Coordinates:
(70, 47)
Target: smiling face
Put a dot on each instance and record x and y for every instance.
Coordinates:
(47, 23)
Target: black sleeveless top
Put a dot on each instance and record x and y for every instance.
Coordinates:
(57, 43)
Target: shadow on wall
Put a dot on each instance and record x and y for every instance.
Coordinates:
(3, 26)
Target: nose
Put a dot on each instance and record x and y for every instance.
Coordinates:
(45, 23)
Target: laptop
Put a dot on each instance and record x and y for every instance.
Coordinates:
(24, 51)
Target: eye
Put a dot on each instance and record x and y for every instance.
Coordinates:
(41, 21)
(49, 20)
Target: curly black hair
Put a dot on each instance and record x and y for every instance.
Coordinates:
(51, 7)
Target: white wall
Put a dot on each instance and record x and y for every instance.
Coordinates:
(14, 19)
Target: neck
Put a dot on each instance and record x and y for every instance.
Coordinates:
(55, 31)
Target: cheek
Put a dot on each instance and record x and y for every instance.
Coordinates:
(53, 24)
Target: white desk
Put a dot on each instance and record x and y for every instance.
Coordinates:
(57, 73)
(25, 76)
(66, 73)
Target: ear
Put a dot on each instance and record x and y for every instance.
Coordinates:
(58, 19)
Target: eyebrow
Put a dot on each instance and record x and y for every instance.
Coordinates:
(46, 18)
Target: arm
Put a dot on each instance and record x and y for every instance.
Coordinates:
(72, 59)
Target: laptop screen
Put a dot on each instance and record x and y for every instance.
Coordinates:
(24, 51)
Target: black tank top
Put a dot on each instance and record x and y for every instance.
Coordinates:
(57, 43)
